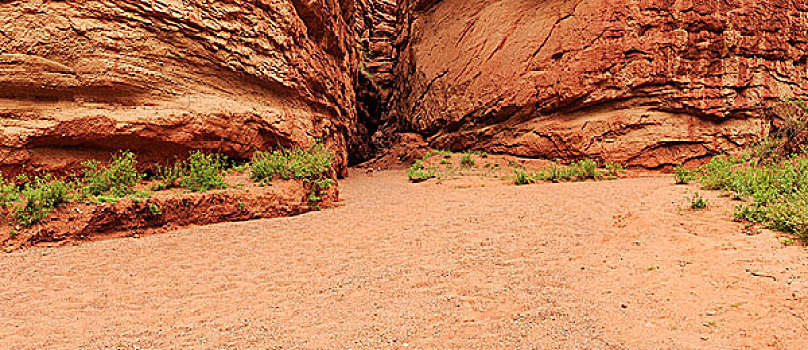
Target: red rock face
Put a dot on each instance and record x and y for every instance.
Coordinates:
(80, 79)
(647, 83)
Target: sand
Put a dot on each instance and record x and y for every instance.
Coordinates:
(473, 265)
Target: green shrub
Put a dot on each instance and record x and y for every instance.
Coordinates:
(774, 189)
(467, 161)
(169, 176)
(697, 202)
(312, 165)
(682, 175)
(791, 215)
(117, 179)
(41, 196)
(716, 174)
(8, 192)
(614, 170)
(434, 152)
(155, 209)
(585, 169)
(418, 172)
(203, 172)
(522, 177)
(297, 163)
(555, 174)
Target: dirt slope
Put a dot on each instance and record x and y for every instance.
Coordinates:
(608, 265)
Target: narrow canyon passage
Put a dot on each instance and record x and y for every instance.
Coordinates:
(595, 265)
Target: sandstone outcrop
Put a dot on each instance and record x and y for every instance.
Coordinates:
(645, 83)
(81, 79)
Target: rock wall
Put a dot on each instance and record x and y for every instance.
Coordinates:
(376, 29)
(80, 79)
(646, 83)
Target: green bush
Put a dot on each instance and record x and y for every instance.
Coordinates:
(774, 189)
(203, 172)
(117, 179)
(169, 176)
(585, 169)
(294, 163)
(555, 174)
(697, 202)
(791, 215)
(8, 192)
(682, 175)
(522, 177)
(41, 196)
(614, 170)
(418, 172)
(434, 152)
(467, 161)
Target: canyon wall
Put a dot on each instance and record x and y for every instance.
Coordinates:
(646, 83)
(81, 79)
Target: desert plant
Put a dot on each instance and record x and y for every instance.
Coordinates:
(419, 172)
(791, 215)
(467, 161)
(773, 186)
(297, 163)
(41, 196)
(522, 177)
(438, 152)
(203, 172)
(155, 209)
(8, 192)
(585, 169)
(613, 170)
(697, 202)
(117, 179)
(170, 175)
(682, 175)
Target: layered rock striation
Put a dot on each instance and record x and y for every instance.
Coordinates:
(81, 79)
(646, 83)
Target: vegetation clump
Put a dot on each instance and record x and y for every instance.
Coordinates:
(771, 179)
(467, 161)
(682, 175)
(8, 192)
(697, 202)
(117, 179)
(203, 172)
(312, 165)
(419, 172)
(34, 199)
(586, 169)
(292, 163)
(42, 195)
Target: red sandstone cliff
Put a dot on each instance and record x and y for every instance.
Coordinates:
(82, 78)
(645, 83)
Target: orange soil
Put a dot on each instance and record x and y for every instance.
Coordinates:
(594, 265)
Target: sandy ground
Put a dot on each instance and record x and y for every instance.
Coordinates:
(597, 265)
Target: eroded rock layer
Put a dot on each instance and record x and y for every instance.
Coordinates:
(81, 79)
(647, 83)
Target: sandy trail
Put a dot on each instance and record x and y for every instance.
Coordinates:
(596, 265)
